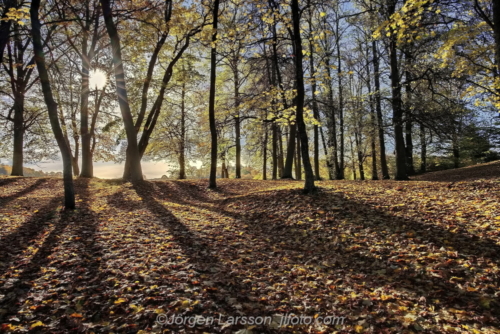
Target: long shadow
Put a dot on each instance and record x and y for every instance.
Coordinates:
(74, 260)
(399, 272)
(381, 268)
(17, 290)
(14, 244)
(7, 181)
(6, 199)
(204, 260)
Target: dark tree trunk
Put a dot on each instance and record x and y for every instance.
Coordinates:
(423, 150)
(18, 157)
(182, 142)
(280, 152)
(211, 102)
(410, 169)
(133, 170)
(69, 192)
(87, 168)
(373, 119)
(264, 154)
(237, 124)
(332, 138)
(298, 166)
(496, 31)
(397, 107)
(340, 175)
(309, 186)
(275, 151)
(314, 107)
(357, 136)
(378, 106)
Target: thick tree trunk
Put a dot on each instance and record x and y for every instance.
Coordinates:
(397, 107)
(133, 170)
(281, 167)
(423, 150)
(298, 167)
(275, 151)
(378, 106)
(309, 186)
(211, 102)
(87, 168)
(18, 154)
(69, 192)
(182, 142)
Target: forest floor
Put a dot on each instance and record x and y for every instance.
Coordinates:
(390, 257)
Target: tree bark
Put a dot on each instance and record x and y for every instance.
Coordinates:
(298, 167)
(69, 192)
(211, 103)
(340, 175)
(423, 150)
(397, 108)
(133, 157)
(182, 142)
(332, 138)
(275, 151)
(237, 129)
(314, 107)
(309, 186)
(378, 107)
(496, 31)
(264, 154)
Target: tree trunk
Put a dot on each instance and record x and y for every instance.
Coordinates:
(237, 124)
(423, 150)
(309, 186)
(264, 154)
(133, 170)
(340, 176)
(409, 117)
(211, 102)
(281, 167)
(17, 159)
(69, 192)
(496, 31)
(397, 108)
(378, 106)
(332, 138)
(314, 107)
(360, 156)
(373, 119)
(298, 167)
(275, 151)
(87, 170)
(182, 142)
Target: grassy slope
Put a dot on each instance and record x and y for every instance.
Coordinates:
(393, 257)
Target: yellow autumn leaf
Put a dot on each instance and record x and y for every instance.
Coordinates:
(120, 300)
(37, 324)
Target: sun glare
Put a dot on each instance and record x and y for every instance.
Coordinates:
(97, 79)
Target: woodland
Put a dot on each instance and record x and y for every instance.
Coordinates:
(270, 114)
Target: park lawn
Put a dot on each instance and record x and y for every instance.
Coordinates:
(390, 257)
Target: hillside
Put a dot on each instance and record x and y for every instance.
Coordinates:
(487, 171)
(389, 256)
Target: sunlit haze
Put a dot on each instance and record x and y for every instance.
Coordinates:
(97, 79)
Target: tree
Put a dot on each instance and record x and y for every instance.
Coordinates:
(69, 192)
(211, 103)
(309, 186)
(134, 170)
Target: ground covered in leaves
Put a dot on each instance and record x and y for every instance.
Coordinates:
(390, 257)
